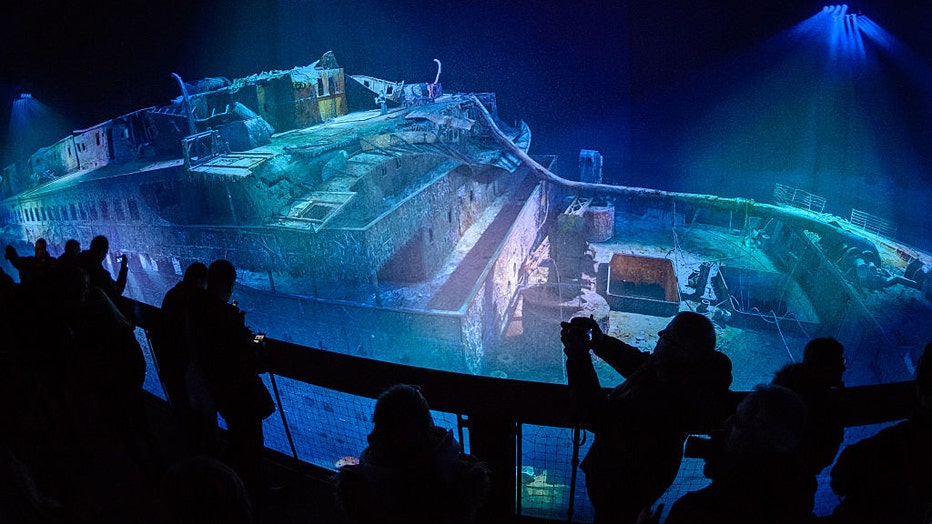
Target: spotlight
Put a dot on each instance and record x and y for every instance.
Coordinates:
(25, 96)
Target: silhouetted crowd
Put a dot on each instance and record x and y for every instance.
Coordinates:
(74, 439)
(766, 448)
(76, 444)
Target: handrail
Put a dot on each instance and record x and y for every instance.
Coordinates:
(496, 408)
(281, 413)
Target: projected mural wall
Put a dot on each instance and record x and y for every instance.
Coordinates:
(408, 222)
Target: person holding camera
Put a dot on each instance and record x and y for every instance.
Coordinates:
(640, 426)
(92, 259)
(229, 357)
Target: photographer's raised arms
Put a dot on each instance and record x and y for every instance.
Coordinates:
(641, 425)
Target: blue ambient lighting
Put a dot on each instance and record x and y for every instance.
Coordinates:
(844, 31)
(32, 125)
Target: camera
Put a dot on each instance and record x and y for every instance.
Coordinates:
(589, 334)
(120, 259)
(259, 338)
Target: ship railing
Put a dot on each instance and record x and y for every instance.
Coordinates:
(872, 223)
(525, 431)
(798, 198)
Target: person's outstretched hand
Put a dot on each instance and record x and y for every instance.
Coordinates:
(596, 330)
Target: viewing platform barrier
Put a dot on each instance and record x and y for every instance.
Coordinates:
(525, 431)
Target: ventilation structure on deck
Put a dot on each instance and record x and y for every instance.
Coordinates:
(644, 285)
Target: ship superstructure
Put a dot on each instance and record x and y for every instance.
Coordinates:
(274, 174)
(398, 222)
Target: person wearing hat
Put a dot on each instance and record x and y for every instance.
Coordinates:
(641, 425)
(886, 478)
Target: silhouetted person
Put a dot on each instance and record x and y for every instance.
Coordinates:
(6, 281)
(202, 489)
(70, 257)
(109, 366)
(641, 425)
(887, 478)
(759, 475)
(92, 260)
(413, 471)
(193, 409)
(814, 380)
(229, 358)
(32, 269)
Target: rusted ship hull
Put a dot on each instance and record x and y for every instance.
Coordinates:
(422, 232)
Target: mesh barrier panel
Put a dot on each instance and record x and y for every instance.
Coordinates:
(152, 383)
(273, 429)
(546, 474)
(826, 500)
(688, 478)
(546, 468)
(325, 425)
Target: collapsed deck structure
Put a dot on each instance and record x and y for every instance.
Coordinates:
(395, 221)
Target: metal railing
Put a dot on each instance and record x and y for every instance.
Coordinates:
(795, 197)
(872, 223)
(525, 431)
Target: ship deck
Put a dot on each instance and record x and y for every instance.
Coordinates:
(757, 350)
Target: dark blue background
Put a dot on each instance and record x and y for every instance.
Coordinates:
(630, 79)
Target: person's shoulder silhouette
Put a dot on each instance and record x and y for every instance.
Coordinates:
(412, 470)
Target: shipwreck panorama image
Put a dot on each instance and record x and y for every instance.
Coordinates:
(439, 184)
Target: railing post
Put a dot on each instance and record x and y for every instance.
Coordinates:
(281, 412)
(492, 440)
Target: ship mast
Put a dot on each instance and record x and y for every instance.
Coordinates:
(187, 105)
